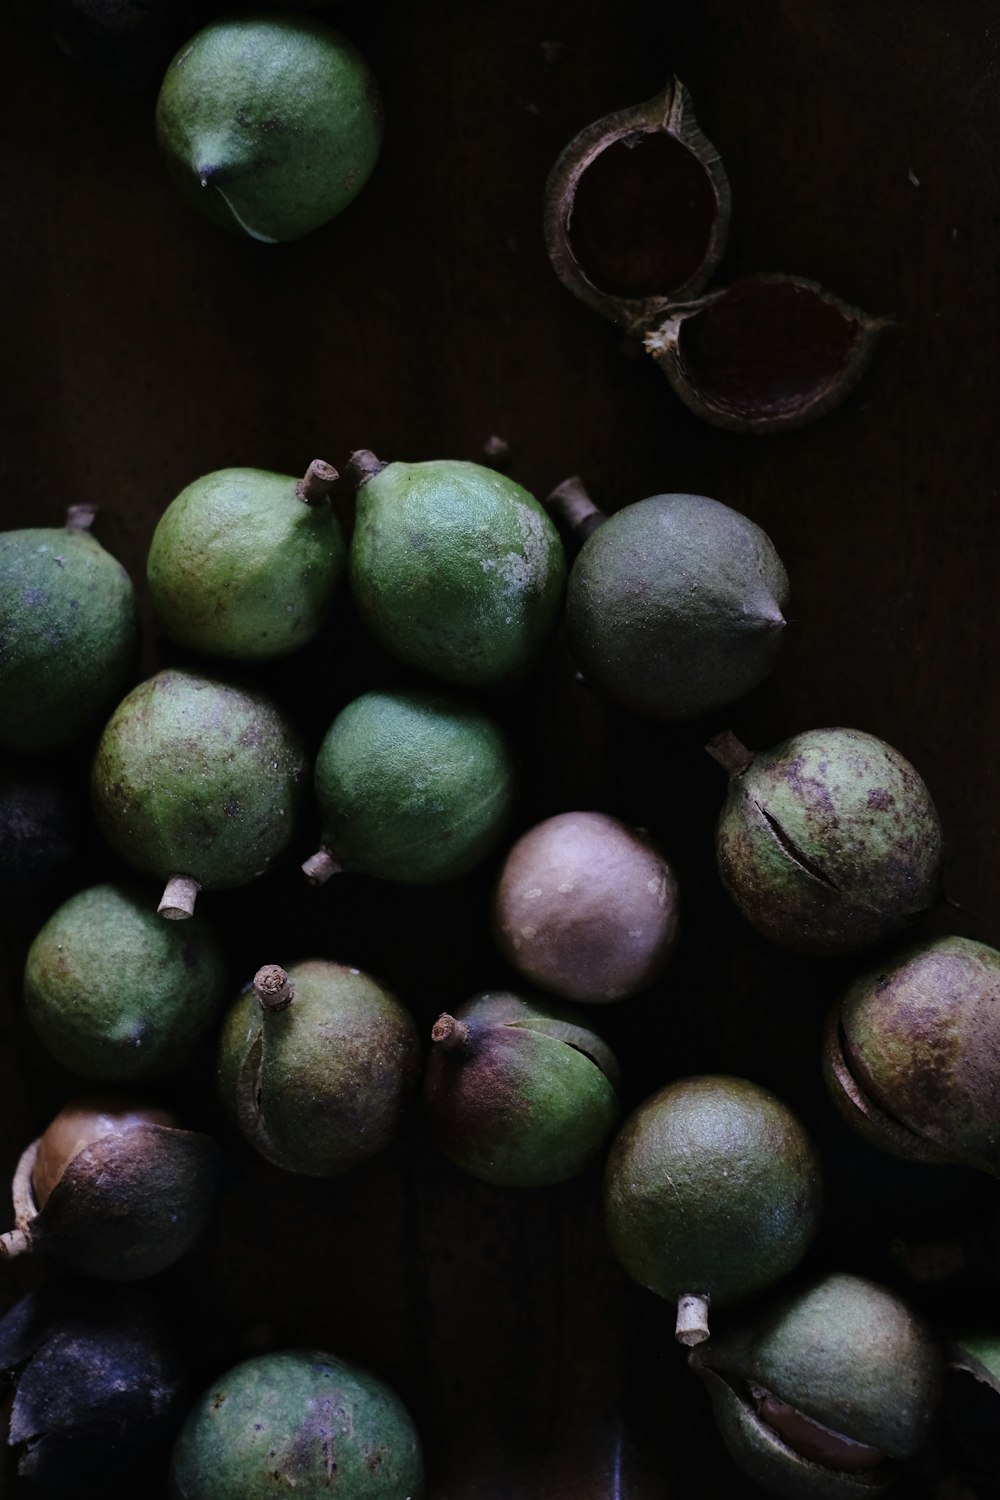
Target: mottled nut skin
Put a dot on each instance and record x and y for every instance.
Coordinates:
(196, 775)
(297, 1422)
(920, 1036)
(317, 1086)
(520, 1093)
(829, 842)
(586, 907)
(842, 1352)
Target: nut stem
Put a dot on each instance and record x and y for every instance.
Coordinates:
(362, 465)
(80, 517)
(317, 482)
(320, 866)
(571, 504)
(275, 990)
(732, 755)
(179, 895)
(451, 1034)
(692, 1319)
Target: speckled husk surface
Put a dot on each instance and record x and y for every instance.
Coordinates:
(114, 992)
(318, 1086)
(712, 1187)
(674, 606)
(197, 776)
(416, 787)
(829, 841)
(241, 567)
(298, 1422)
(842, 1350)
(920, 1036)
(70, 634)
(456, 570)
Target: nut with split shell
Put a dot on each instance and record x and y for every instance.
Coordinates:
(114, 1189)
(315, 1066)
(912, 1053)
(829, 841)
(825, 1392)
(522, 1093)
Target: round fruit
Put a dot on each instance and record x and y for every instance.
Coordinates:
(245, 564)
(455, 569)
(292, 1421)
(70, 635)
(415, 787)
(519, 1092)
(828, 842)
(912, 1053)
(113, 1189)
(586, 907)
(315, 1066)
(674, 606)
(116, 994)
(196, 780)
(269, 124)
(823, 1394)
(712, 1192)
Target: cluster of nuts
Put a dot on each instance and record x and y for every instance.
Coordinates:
(711, 1187)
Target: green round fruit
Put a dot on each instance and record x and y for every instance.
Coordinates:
(828, 842)
(315, 1066)
(292, 1422)
(517, 1092)
(198, 779)
(243, 566)
(674, 606)
(116, 994)
(270, 124)
(414, 787)
(456, 570)
(712, 1191)
(826, 1392)
(69, 636)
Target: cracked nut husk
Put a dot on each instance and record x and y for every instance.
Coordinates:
(827, 843)
(825, 1393)
(114, 1189)
(912, 1053)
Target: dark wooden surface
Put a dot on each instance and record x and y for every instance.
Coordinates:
(142, 348)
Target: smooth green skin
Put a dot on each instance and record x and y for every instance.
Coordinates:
(318, 1087)
(115, 993)
(921, 1036)
(197, 776)
(269, 124)
(674, 606)
(847, 1353)
(299, 1423)
(829, 841)
(456, 570)
(240, 567)
(530, 1100)
(712, 1188)
(413, 787)
(69, 636)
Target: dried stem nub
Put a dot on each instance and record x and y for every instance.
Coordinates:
(317, 482)
(571, 504)
(363, 465)
(732, 755)
(275, 990)
(449, 1032)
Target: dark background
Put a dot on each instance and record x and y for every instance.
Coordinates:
(142, 348)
